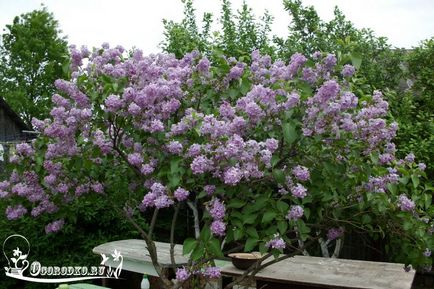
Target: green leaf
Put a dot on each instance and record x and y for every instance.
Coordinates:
(174, 165)
(174, 180)
(268, 216)
(215, 248)
(392, 188)
(282, 226)
(306, 213)
(188, 246)
(250, 244)
(279, 176)
(303, 229)
(236, 203)
(238, 234)
(249, 219)
(356, 60)
(205, 234)
(245, 85)
(198, 252)
(251, 231)
(282, 207)
(274, 160)
(366, 219)
(415, 180)
(407, 225)
(289, 133)
(427, 200)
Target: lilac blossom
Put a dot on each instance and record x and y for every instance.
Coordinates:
(55, 226)
(218, 228)
(113, 103)
(295, 213)
(405, 204)
(135, 159)
(175, 147)
(276, 243)
(299, 191)
(409, 158)
(182, 274)
(15, 212)
(24, 149)
(232, 176)
(301, 173)
(348, 70)
(200, 165)
(216, 209)
(194, 150)
(421, 166)
(209, 189)
(335, 233)
(181, 194)
(212, 272)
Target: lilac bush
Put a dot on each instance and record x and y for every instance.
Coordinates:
(279, 156)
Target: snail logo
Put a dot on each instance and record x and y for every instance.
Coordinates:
(16, 249)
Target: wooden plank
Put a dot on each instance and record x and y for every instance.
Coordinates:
(136, 250)
(332, 273)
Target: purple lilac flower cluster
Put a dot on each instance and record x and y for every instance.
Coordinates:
(182, 274)
(301, 173)
(54, 226)
(158, 197)
(335, 233)
(276, 243)
(295, 213)
(405, 204)
(217, 210)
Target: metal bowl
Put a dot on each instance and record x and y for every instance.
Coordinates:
(243, 261)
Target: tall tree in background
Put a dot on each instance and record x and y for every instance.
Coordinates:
(32, 54)
(240, 33)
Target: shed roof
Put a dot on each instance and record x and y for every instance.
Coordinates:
(13, 115)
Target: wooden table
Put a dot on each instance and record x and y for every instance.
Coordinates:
(136, 260)
(315, 272)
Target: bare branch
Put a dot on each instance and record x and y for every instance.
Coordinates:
(196, 218)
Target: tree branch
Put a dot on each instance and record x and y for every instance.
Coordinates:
(153, 221)
(172, 236)
(196, 218)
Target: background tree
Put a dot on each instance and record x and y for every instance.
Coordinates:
(32, 54)
(240, 32)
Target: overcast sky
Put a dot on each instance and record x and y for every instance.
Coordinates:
(138, 23)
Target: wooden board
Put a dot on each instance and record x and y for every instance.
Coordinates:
(135, 250)
(333, 273)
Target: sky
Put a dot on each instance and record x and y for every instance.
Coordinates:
(138, 23)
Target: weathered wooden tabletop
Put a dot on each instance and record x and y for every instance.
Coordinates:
(136, 256)
(333, 273)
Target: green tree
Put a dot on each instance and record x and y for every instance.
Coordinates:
(414, 107)
(32, 54)
(240, 33)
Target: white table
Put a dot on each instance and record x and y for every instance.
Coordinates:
(136, 255)
(315, 272)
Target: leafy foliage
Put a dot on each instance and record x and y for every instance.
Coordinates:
(32, 55)
(240, 32)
